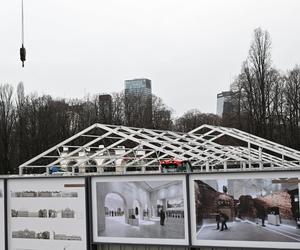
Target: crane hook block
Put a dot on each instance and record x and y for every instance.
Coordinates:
(23, 55)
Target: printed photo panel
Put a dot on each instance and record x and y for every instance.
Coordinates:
(140, 209)
(247, 209)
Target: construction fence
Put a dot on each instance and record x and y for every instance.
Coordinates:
(172, 211)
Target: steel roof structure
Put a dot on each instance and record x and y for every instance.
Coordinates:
(104, 148)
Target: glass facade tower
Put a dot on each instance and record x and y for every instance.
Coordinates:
(138, 86)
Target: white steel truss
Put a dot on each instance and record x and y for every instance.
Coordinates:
(104, 148)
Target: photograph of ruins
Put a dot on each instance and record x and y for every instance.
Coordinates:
(248, 209)
(141, 209)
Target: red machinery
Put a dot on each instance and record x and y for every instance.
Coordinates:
(174, 165)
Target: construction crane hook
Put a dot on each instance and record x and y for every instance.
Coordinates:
(22, 49)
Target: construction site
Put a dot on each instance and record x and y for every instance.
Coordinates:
(110, 149)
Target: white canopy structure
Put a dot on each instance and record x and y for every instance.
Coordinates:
(103, 148)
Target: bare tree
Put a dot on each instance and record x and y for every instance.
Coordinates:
(257, 69)
(292, 95)
(7, 122)
(21, 124)
(118, 108)
(161, 114)
(193, 119)
(266, 101)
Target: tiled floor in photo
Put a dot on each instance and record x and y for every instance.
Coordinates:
(248, 231)
(116, 227)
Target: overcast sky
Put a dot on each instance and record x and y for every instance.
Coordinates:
(190, 49)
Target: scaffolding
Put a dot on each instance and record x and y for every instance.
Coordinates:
(102, 149)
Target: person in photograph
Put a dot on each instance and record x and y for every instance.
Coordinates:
(224, 219)
(218, 220)
(238, 211)
(263, 216)
(162, 216)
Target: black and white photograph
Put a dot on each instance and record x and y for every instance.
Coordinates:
(140, 209)
(47, 214)
(43, 235)
(247, 209)
(44, 194)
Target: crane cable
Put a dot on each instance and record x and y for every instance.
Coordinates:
(22, 22)
(22, 49)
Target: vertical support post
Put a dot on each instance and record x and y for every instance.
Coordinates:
(249, 154)
(5, 195)
(188, 197)
(47, 171)
(207, 166)
(20, 170)
(225, 166)
(100, 169)
(89, 213)
(244, 165)
(260, 158)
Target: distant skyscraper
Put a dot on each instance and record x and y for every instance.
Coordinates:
(138, 102)
(138, 86)
(105, 108)
(224, 102)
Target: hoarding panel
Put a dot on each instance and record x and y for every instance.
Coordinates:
(258, 210)
(140, 210)
(46, 214)
(2, 226)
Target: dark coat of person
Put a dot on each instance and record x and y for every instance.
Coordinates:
(162, 216)
(218, 220)
(224, 219)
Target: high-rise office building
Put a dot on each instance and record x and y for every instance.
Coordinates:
(138, 86)
(138, 102)
(224, 103)
(105, 108)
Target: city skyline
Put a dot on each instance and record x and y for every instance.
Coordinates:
(195, 50)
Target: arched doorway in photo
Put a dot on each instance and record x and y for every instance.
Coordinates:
(115, 206)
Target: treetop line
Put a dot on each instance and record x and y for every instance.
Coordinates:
(265, 102)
